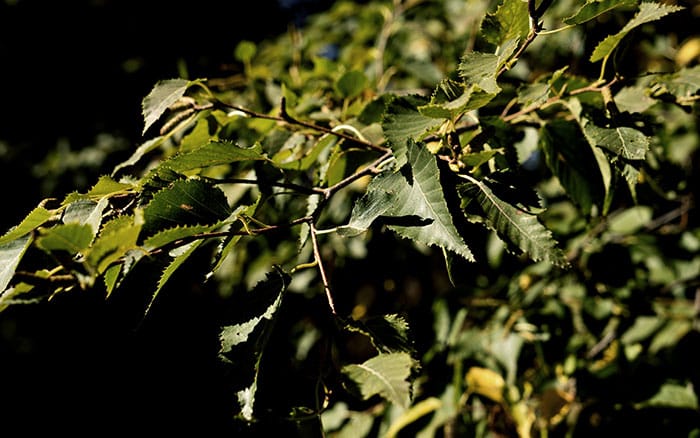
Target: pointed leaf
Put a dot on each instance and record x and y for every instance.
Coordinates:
(648, 12)
(86, 211)
(214, 153)
(385, 375)
(106, 187)
(626, 142)
(182, 254)
(416, 200)
(481, 69)
(243, 343)
(72, 238)
(10, 255)
(185, 202)
(177, 233)
(511, 21)
(567, 156)
(36, 218)
(514, 225)
(387, 333)
(116, 238)
(596, 8)
(163, 94)
(142, 150)
(673, 395)
(403, 120)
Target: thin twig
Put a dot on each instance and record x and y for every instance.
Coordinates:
(286, 117)
(321, 270)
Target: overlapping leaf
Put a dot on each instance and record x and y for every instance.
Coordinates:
(162, 96)
(243, 343)
(596, 8)
(185, 202)
(385, 375)
(411, 203)
(648, 12)
(514, 225)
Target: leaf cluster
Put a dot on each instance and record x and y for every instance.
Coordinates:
(447, 215)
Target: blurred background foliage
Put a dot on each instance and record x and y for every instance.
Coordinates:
(606, 348)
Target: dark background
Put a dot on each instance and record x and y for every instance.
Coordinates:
(71, 71)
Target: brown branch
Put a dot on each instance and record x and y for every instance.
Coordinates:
(285, 116)
(321, 270)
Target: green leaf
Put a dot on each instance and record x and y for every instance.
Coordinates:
(567, 155)
(670, 334)
(683, 84)
(648, 12)
(452, 99)
(117, 237)
(351, 84)
(511, 21)
(214, 153)
(142, 150)
(403, 120)
(306, 158)
(673, 395)
(631, 220)
(243, 343)
(36, 218)
(634, 99)
(9, 296)
(412, 204)
(385, 375)
(481, 69)
(642, 329)
(181, 255)
(596, 8)
(86, 211)
(387, 333)
(174, 234)
(514, 225)
(627, 142)
(163, 94)
(10, 255)
(72, 238)
(185, 202)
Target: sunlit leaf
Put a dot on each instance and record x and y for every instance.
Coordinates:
(243, 343)
(511, 21)
(403, 120)
(214, 153)
(116, 238)
(648, 12)
(185, 202)
(627, 142)
(10, 255)
(385, 375)
(164, 93)
(72, 238)
(596, 8)
(481, 69)
(32, 221)
(514, 225)
(411, 203)
(673, 395)
(486, 382)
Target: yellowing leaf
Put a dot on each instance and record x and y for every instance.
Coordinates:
(486, 382)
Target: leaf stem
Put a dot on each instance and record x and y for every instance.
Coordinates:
(321, 269)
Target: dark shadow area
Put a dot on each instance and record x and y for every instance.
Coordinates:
(70, 72)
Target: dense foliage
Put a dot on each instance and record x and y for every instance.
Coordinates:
(422, 218)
